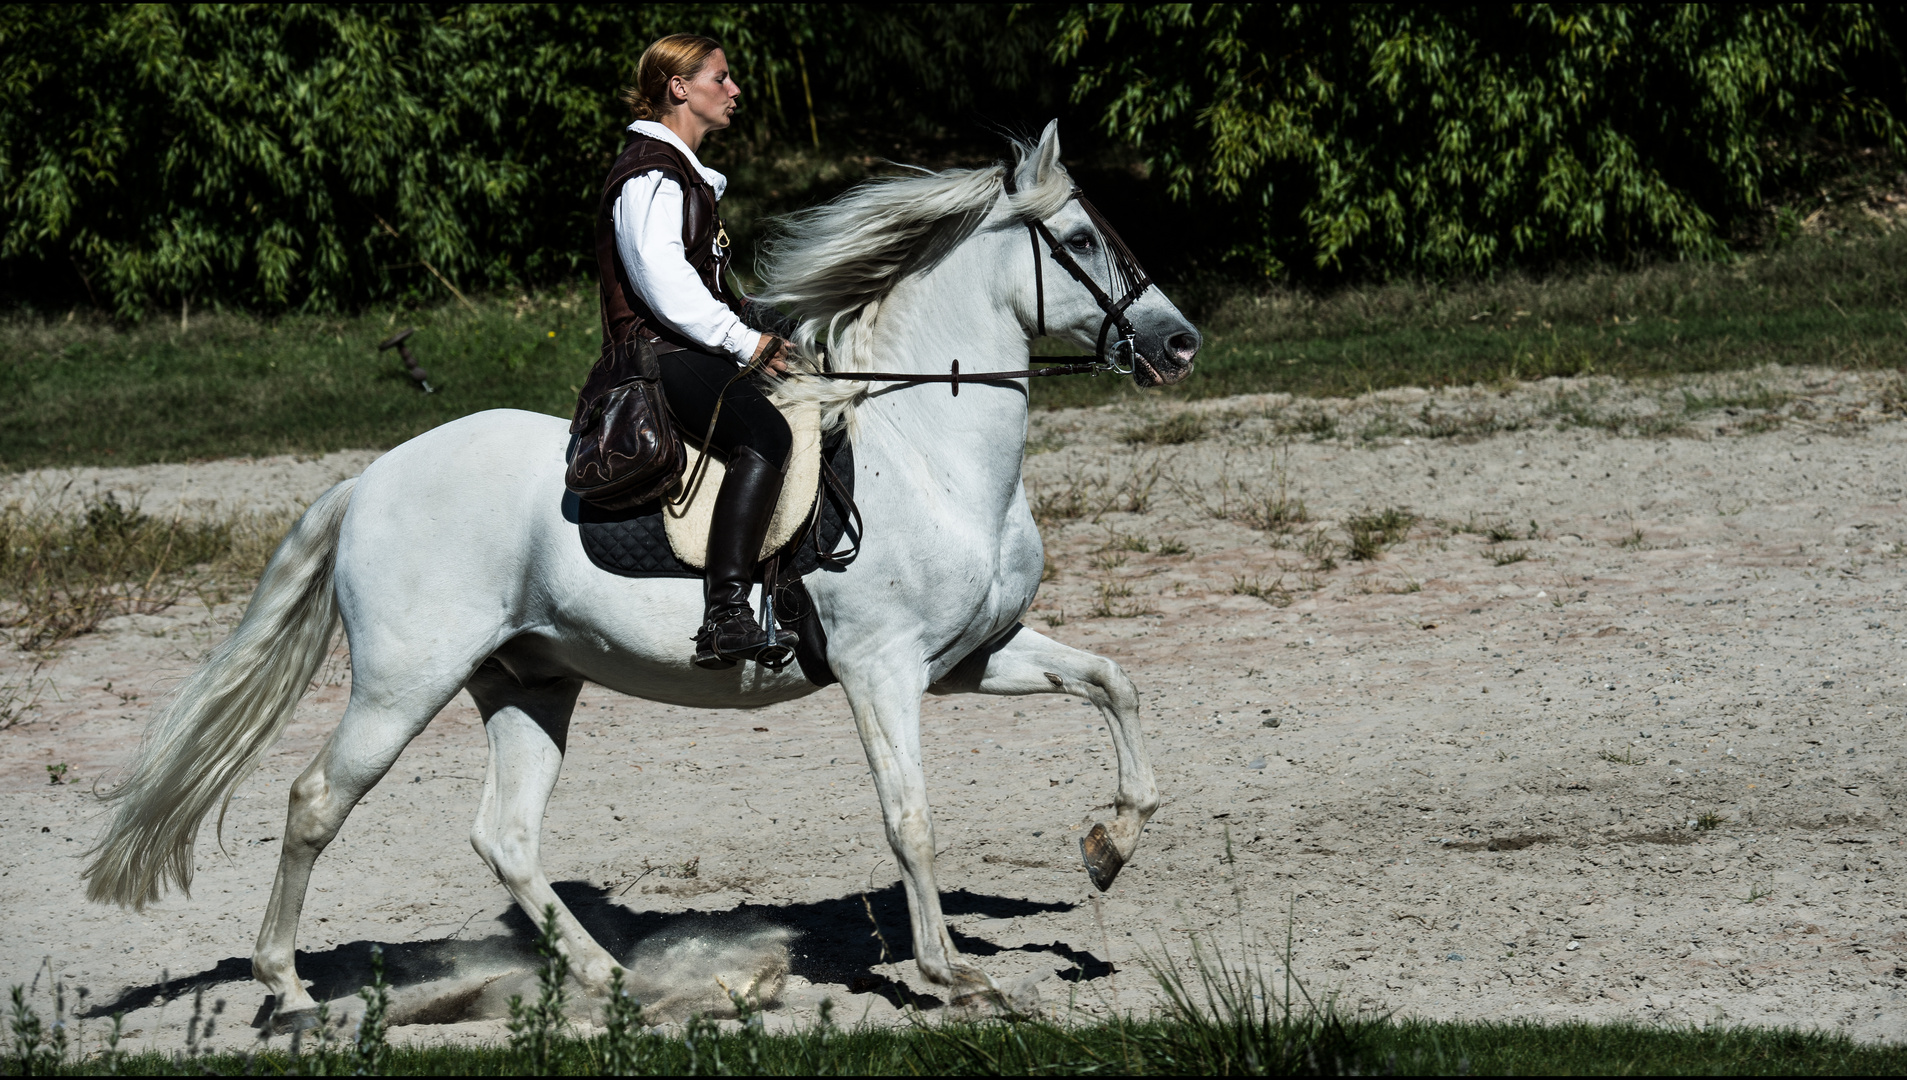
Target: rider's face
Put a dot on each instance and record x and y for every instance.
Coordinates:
(710, 93)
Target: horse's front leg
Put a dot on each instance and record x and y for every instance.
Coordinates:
(1026, 662)
(887, 714)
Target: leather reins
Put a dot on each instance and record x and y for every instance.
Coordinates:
(1125, 270)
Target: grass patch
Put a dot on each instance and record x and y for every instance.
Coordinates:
(1373, 531)
(62, 574)
(1320, 549)
(1164, 1046)
(1509, 556)
(20, 696)
(1274, 593)
(1271, 509)
(86, 392)
(1834, 302)
(1277, 512)
(1174, 430)
(1496, 534)
(1114, 601)
(1077, 498)
(82, 390)
(1315, 422)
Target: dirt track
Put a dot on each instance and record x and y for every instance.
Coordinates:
(1475, 801)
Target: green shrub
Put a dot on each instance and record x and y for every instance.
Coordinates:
(1382, 139)
(322, 155)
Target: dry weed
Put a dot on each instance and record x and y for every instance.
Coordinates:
(1114, 601)
(1318, 546)
(1275, 594)
(62, 574)
(1175, 430)
(1090, 497)
(1266, 507)
(21, 696)
(1374, 530)
(1077, 498)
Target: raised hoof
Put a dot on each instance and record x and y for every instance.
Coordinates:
(284, 1023)
(1102, 858)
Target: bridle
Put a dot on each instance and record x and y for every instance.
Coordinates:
(1128, 278)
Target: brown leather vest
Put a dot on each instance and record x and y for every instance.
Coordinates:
(624, 311)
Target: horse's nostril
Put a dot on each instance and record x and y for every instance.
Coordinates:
(1183, 345)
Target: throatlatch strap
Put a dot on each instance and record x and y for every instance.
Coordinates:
(1039, 280)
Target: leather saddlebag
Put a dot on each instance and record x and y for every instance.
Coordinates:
(626, 451)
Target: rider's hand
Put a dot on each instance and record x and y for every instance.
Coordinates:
(771, 355)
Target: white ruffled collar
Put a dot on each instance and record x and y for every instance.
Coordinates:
(655, 130)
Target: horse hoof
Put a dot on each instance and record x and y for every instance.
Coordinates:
(1017, 1002)
(1102, 858)
(978, 1005)
(284, 1023)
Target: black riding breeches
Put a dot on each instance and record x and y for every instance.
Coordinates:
(694, 381)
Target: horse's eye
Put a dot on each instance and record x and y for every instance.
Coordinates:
(1080, 241)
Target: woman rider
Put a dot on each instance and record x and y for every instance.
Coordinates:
(673, 254)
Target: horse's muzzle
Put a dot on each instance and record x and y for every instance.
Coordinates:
(1164, 359)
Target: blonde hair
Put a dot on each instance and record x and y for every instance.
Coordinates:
(666, 58)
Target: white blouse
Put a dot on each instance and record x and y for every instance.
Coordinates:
(648, 217)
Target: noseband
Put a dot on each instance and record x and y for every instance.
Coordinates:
(1127, 276)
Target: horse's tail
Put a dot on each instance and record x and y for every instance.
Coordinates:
(224, 718)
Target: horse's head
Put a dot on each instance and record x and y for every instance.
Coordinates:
(1082, 283)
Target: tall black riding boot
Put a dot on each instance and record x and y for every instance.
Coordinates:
(743, 508)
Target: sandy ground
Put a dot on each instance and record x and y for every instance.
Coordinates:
(1464, 779)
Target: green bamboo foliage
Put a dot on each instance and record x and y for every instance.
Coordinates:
(311, 155)
(1440, 138)
(322, 155)
(319, 157)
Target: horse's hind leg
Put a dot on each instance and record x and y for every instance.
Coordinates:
(528, 727)
(1026, 662)
(375, 729)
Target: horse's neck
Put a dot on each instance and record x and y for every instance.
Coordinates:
(968, 446)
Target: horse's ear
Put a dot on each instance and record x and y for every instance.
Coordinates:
(1046, 158)
(1039, 164)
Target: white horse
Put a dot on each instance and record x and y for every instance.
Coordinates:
(453, 567)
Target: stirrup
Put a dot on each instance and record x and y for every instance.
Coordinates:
(778, 653)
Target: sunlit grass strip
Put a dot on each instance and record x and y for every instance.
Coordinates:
(1124, 1048)
(91, 394)
(1832, 303)
(1220, 1017)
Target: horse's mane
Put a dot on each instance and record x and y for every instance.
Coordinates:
(830, 266)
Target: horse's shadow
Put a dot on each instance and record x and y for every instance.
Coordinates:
(835, 942)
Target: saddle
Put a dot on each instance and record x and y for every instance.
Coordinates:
(815, 513)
